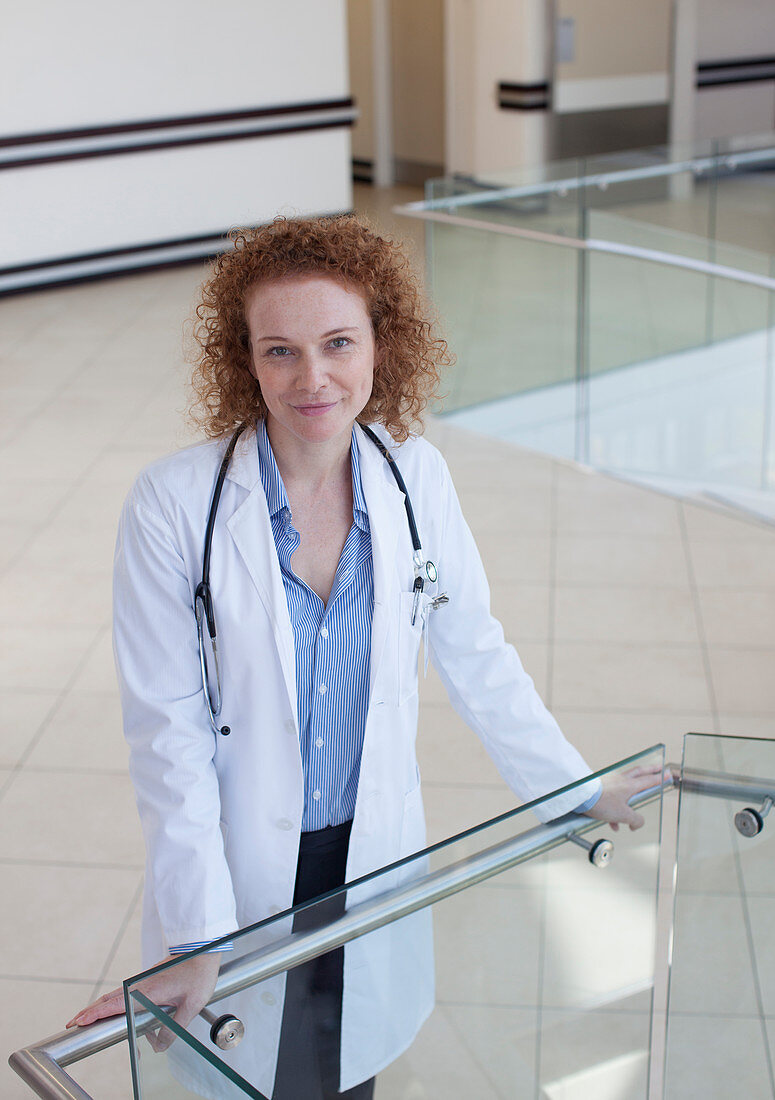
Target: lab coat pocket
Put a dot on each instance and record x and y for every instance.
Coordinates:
(409, 637)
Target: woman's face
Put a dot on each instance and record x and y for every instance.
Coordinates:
(312, 352)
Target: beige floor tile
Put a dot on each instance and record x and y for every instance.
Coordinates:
(747, 725)
(52, 598)
(621, 560)
(762, 914)
(126, 961)
(603, 738)
(600, 505)
(533, 655)
(502, 1040)
(98, 672)
(449, 752)
(14, 537)
(742, 679)
(711, 927)
(61, 922)
(22, 715)
(525, 608)
(85, 732)
(26, 505)
(706, 525)
(65, 545)
(600, 1054)
(500, 514)
(441, 1063)
(487, 947)
(450, 809)
(34, 659)
(630, 676)
(733, 1061)
(599, 948)
(623, 614)
(736, 563)
(33, 1010)
(62, 816)
(738, 616)
(518, 558)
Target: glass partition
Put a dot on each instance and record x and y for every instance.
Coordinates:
(501, 962)
(677, 390)
(618, 310)
(721, 1018)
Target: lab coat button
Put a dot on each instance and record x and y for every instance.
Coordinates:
(284, 823)
(269, 998)
(290, 726)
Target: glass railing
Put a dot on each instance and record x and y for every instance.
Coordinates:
(721, 1020)
(501, 962)
(513, 960)
(618, 310)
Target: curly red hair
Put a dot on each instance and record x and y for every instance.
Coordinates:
(409, 355)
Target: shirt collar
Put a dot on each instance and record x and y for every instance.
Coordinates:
(276, 496)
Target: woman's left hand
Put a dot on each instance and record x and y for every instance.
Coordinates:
(613, 805)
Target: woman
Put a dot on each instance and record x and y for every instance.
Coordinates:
(310, 332)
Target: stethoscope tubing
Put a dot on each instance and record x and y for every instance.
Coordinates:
(203, 600)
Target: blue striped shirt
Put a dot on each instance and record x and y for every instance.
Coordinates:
(333, 650)
(333, 653)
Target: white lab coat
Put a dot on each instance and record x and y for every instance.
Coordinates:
(222, 815)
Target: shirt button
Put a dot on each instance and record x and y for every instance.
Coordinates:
(322, 689)
(269, 998)
(319, 742)
(316, 795)
(284, 823)
(324, 632)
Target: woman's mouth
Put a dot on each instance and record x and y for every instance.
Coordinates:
(314, 410)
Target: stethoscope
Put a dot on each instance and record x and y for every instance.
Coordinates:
(203, 600)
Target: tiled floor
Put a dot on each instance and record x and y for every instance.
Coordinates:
(639, 617)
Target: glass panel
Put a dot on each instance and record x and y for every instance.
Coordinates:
(508, 308)
(721, 1018)
(191, 1069)
(679, 365)
(744, 214)
(534, 980)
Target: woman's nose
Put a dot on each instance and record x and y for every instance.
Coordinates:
(312, 375)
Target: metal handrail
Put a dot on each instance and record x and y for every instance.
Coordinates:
(561, 187)
(42, 1064)
(426, 212)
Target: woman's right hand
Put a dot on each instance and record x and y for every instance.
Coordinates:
(188, 986)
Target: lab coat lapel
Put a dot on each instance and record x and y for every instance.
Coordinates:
(385, 503)
(251, 529)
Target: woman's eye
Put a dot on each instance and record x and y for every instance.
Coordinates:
(339, 342)
(279, 352)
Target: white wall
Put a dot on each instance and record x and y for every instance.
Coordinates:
(490, 42)
(729, 31)
(90, 63)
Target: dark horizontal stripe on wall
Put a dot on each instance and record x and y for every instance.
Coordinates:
(156, 134)
(363, 170)
(749, 70)
(112, 253)
(110, 263)
(523, 97)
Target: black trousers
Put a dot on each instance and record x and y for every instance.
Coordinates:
(310, 1038)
